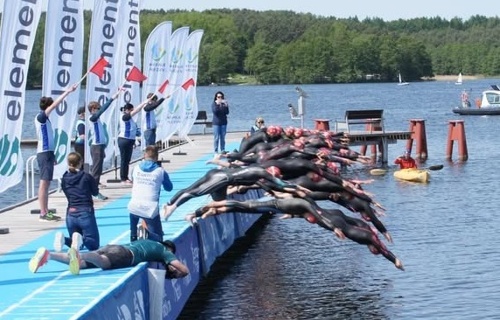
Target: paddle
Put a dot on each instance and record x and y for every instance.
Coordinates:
(381, 172)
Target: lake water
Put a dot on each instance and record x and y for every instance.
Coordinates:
(445, 232)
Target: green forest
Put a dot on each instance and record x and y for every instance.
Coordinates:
(284, 47)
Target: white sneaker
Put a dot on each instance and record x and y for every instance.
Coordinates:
(76, 241)
(58, 241)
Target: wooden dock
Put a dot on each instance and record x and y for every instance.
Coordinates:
(382, 139)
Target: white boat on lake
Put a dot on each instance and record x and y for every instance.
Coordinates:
(401, 82)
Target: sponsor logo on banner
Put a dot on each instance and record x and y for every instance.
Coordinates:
(9, 155)
(123, 311)
(173, 106)
(61, 141)
(157, 52)
(195, 252)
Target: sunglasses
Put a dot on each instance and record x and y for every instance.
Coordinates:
(260, 122)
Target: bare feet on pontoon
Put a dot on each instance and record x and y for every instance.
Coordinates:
(214, 160)
(231, 190)
(191, 218)
(168, 210)
(209, 212)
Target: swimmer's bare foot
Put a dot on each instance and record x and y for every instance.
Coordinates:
(167, 211)
(209, 212)
(232, 189)
(339, 233)
(191, 218)
(285, 216)
(388, 236)
(399, 264)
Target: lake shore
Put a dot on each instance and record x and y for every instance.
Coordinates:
(441, 77)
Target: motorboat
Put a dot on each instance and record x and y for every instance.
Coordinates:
(487, 105)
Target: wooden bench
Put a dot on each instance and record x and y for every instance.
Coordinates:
(202, 119)
(373, 118)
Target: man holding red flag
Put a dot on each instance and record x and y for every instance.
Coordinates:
(149, 122)
(45, 151)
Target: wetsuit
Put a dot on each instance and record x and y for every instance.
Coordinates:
(217, 180)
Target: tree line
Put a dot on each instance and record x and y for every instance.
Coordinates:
(287, 47)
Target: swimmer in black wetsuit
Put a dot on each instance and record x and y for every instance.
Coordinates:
(330, 219)
(269, 134)
(217, 180)
(346, 197)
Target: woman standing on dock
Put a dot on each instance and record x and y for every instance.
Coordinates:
(220, 110)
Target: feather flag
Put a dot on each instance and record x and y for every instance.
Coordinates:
(136, 75)
(186, 85)
(98, 67)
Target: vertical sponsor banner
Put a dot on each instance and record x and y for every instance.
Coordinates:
(103, 42)
(156, 66)
(19, 23)
(62, 67)
(189, 102)
(128, 56)
(171, 119)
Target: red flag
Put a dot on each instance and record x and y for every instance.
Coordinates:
(136, 75)
(98, 67)
(163, 87)
(188, 84)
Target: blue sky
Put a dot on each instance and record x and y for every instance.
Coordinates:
(385, 9)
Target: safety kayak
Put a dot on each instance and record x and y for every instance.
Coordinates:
(414, 175)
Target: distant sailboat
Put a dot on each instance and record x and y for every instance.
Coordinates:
(401, 83)
(459, 80)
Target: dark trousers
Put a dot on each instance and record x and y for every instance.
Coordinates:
(97, 153)
(155, 230)
(150, 137)
(80, 148)
(126, 147)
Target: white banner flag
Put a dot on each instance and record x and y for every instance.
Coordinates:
(62, 67)
(128, 55)
(19, 23)
(171, 119)
(156, 66)
(103, 42)
(189, 102)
